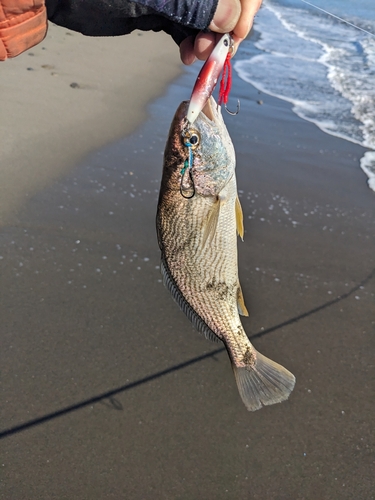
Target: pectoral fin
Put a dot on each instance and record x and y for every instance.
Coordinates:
(211, 223)
(239, 219)
(241, 303)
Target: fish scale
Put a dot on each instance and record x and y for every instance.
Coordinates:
(196, 274)
(198, 241)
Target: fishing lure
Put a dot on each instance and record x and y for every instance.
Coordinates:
(218, 61)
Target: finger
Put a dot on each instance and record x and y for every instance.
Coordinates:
(187, 51)
(245, 22)
(226, 16)
(204, 44)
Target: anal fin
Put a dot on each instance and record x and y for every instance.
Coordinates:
(239, 218)
(241, 303)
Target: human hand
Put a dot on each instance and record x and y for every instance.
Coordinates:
(231, 16)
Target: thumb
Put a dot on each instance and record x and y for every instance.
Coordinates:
(226, 16)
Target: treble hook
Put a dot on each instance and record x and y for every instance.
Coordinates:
(233, 113)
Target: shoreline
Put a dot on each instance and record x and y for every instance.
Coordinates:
(96, 97)
(365, 161)
(323, 92)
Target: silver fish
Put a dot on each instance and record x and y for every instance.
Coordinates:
(198, 217)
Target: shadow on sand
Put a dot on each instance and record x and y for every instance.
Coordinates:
(108, 399)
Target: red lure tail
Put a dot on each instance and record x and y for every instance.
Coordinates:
(226, 81)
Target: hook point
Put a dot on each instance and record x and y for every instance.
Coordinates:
(233, 113)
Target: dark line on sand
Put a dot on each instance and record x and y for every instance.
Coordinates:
(167, 371)
(315, 310)
(105, 395)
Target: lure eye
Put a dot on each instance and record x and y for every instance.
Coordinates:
(192, 138)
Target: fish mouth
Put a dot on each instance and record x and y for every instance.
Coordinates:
(210, 113)
(208, 109)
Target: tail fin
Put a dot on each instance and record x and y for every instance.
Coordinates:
(264, 383)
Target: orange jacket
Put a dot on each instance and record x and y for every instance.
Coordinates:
(23, 24)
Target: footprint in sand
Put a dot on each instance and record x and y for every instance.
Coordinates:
(76, 85)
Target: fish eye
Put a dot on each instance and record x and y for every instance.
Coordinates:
(192, 138)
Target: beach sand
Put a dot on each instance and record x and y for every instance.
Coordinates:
(72, 94)
(107, 391)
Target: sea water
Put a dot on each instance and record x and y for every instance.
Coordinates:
(323, 66)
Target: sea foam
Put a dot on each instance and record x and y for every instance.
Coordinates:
(324, 68)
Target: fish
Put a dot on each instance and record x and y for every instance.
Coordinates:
(199, 218)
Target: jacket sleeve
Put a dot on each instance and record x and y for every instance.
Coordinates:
(178, 18)
(23, 24)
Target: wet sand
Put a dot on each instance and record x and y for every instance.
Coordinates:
(108, 392)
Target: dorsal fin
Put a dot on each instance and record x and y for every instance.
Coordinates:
(184, 305)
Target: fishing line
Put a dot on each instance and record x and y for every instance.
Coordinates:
(188, 165)
(339, 18)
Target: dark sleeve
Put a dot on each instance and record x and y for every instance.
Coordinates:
(178, 18)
